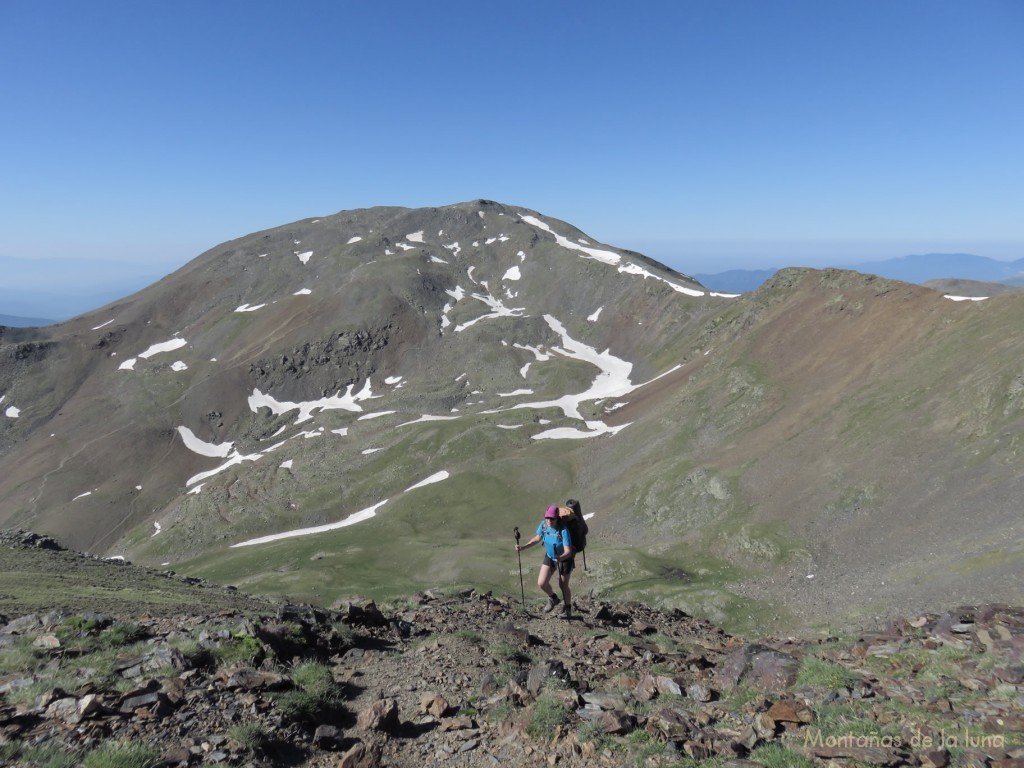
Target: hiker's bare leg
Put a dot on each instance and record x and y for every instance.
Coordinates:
(563, 583)
(544, 580)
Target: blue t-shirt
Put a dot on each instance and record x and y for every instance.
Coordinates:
(555, 541)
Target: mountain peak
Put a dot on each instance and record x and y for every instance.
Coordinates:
(298, 410)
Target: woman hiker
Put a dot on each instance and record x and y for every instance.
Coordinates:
(558, 555)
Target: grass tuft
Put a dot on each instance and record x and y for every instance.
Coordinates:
(122, 755)
(251, 735)
(45, 756)
(548, 714)
(316, 698)
(820, 673)
(778, 756)
(240, 649)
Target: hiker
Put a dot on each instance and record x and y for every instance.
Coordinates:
(558, 555)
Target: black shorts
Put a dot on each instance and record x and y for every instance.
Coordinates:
(564, 566)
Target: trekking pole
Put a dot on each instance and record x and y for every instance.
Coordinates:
(520, 556)
(584, 559)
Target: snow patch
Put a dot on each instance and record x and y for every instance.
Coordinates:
(498, 309)
(612, 380)
(352, 519)
(607, 257)
(347, 402)
(434, 478)
(211, 450)
(426, 418)
(378, 414)
(164, 346)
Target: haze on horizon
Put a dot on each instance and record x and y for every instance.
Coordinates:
(710, 136)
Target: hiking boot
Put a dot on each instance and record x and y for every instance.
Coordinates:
(566, 612)
(553, 602)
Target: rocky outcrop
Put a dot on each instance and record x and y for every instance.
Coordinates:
(11, 537)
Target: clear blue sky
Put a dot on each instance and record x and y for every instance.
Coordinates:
(711, 135)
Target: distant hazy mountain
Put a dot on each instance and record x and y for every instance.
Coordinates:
(736, 280)
(35, 289)
(14, 321)
(64, 288)
(955, 286)
(917, 269)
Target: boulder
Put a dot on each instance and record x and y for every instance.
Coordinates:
(328, 737)
(381, 715)
(541, 673)
(790, 711)
(434, 704)
(670, 725)
(759, 666)
(361, 755)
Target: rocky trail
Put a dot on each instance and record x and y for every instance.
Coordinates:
(472, 679)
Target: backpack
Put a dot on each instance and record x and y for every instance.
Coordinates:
(572, 516)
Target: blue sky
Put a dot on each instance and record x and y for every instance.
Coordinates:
(711, 135)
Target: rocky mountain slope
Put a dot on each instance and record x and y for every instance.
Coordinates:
(971, 288)
(945, 272)
(369, 403)
(212, 677)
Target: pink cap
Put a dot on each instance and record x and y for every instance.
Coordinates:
(552, 513)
